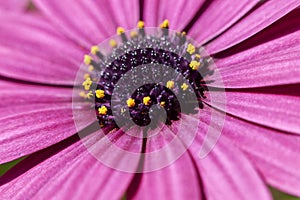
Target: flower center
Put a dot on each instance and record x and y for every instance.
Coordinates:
(170, 66)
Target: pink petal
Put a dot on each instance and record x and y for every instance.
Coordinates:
(256, 21)
(23, 133)
(219, 16)
(178, 12)
(14, 5)
(226, 172)
(279, 111)
(66, 170)
(98, 19)
(272, 63)
(179, 180)
(275, 154)
(34, 51)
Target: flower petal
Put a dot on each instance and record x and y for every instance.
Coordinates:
(259, 19)
(98, 19)
(179, 180)
(279, 111)
(14, 5)
(65, 170)
(275, 154)
(219, 16)
(35, 52)
(23, 133)
(225, 171)
(179, 12)
(272, 63)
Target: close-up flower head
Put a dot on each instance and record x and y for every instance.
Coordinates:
(150, 99)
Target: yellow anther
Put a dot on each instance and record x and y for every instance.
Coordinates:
(197, 56)
(100, 94)
(170, 84)
(130, 103)
(165, 24)
(103, 110)
(120, 30)
(87, 84)
(82, 94)
(140, 24)
(113, 43)
(195, 65)
(133, 34)
(184, 86)
(183, 33)
(147, 100)
(95, 50)
(91, 68)
(86, 76)
(88, 59)
(162, 104)
(191, 49)
(89, 95)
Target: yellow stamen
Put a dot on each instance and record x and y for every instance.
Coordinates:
(86, 76)
(165, 24)
(88, 59)
(140, 24)
(100, 94)
(130, 103)
(113, 43)
(103, 110)
(91, 68)
(191, 49)
(89, 95)
(184, 86)
(195, 65)
(162, 104)
(133, 34)
(82, 94)
(170, 84)
(147, 100)
(183, 33)
(95, 50)
(120, 30)
(197, 56)
(87, 84)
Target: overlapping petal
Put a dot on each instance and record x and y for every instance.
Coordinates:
(258, 20)
(217, 17)
(65, 170)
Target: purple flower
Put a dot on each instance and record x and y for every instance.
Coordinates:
(255, 46)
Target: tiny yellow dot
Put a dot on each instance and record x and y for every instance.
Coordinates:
(184, 86)
(147, 100)
(130, 103)
(103, 110)
(195, 65)
(140, 24)
(86, 76)
(95, 50)
(113, 43)
(133, 34)
(183, 33)
(82, 94)
(100, 94)
(87, 59)
(120, 30)
(170, 84)
(165, 24)
(87, 84)
(89, 95)
(162, 104)
(91, 68)
(197, 56)
(191, 49)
